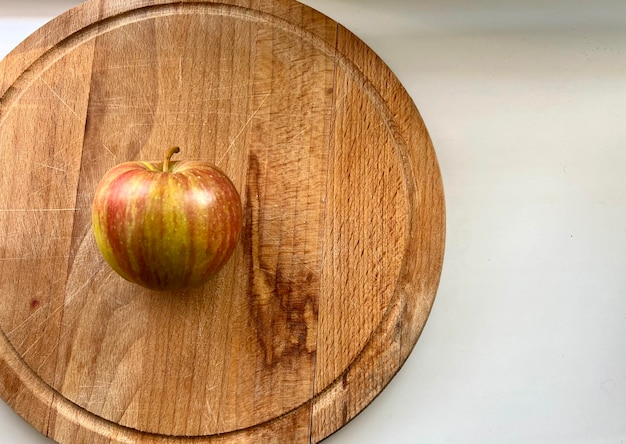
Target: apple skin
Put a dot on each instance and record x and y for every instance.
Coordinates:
(166, 225)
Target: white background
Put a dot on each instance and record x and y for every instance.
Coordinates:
(526, 105)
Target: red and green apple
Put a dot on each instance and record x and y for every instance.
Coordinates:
(166, 225)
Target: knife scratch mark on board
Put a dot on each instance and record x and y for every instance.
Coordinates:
(31, 256)
(34, 210)
(180, 72)
(58, 96)
(243, 128)
(51, 167)
(109, 151)
(50, 353)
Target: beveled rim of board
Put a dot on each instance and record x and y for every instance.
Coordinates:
(48, 45)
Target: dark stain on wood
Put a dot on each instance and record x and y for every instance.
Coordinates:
(283, 295)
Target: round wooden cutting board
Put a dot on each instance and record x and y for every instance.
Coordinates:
(341, 252)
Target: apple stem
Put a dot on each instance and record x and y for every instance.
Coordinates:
(168, 157)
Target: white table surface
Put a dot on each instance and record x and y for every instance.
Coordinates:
(526, 105)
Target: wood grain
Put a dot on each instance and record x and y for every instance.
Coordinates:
(339, 262)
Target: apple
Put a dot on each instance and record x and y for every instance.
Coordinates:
(166, 225)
